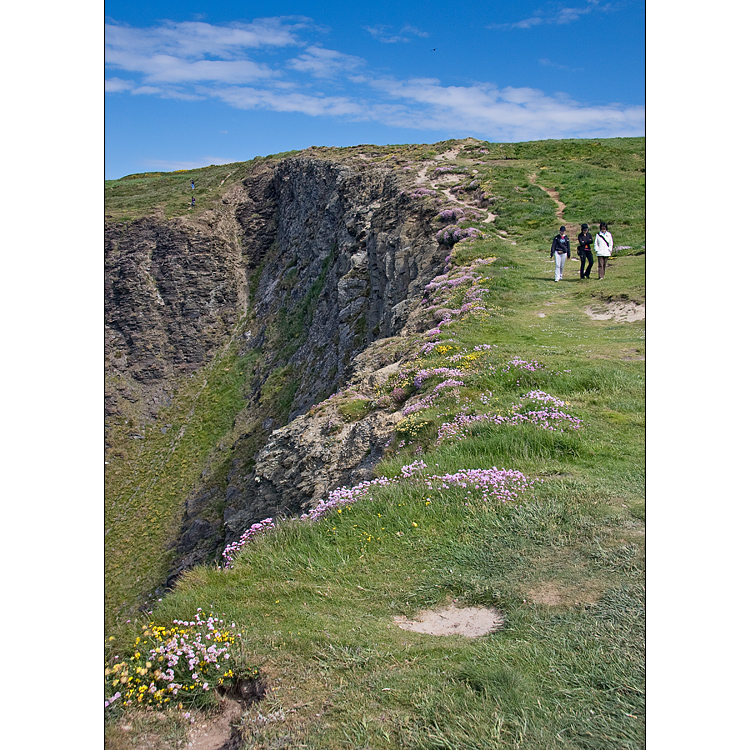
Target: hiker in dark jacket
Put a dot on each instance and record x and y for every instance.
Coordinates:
(585, 240)
(560, 251)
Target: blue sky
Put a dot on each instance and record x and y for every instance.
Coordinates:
(189, 84)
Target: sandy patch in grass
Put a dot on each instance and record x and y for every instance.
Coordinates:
(452, 620)
(620, 311)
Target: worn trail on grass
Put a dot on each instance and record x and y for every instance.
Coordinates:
(552, 194)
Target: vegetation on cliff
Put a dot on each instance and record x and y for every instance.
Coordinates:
(514, 480)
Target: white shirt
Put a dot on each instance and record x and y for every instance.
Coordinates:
(603, 243)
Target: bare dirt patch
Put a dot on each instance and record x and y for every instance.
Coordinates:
(631, 355)
(447, 179)
(552, 594)
(452, 620)
(619, 311)
(216, 734)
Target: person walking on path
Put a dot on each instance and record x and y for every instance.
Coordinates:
(192, 202)
(603, 247)
(192, 184)
(560, 251)
(585, 241)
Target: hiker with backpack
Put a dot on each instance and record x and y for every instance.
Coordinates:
(603, 247)
(560, 251)
(584, 250)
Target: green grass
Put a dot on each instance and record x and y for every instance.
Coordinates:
(598, 180)
(564, 564)
(147, 479)
(139, 195)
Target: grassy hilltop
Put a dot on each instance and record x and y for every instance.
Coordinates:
(314, 601)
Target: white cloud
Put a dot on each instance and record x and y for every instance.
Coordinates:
(557, 16)
(167, 92)
(550, 64)
(243, 97)
(510, 113)
(112, 85)
(166, 68)
(197, 39)
(387, 36)
(325, 63)
(408, 29)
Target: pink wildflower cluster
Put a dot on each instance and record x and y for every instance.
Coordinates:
(428, 400)
(399, 394)
(444, 286)
(428, 347)
(479, 348)
(116, 696)
(451, 214)
(437, 330)
(182, 661)
(447, 384)
(423, 403)
(423, 375)
(345, 496)
(445, 281)
(548, 417)
(492, 484)
(422, 192)
(231, 550)
(522, 364)
(544, 397)
(452, 234)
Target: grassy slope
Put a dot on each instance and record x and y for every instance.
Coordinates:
(565, 566)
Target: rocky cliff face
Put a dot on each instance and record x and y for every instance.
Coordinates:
(307, 263)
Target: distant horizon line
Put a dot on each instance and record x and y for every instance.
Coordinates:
(221, 163)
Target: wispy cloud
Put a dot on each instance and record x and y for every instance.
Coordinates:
(188, 51)
(192, 39)
(556, 15)
(559, 66)
(387, 35)
(509, 113)
(243, 97)
(172, 69)
(325, 63)
(113, 85)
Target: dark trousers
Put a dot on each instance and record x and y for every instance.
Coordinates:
(602, 264)
(586, 255)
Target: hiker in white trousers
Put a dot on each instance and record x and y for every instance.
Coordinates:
(560, 251)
